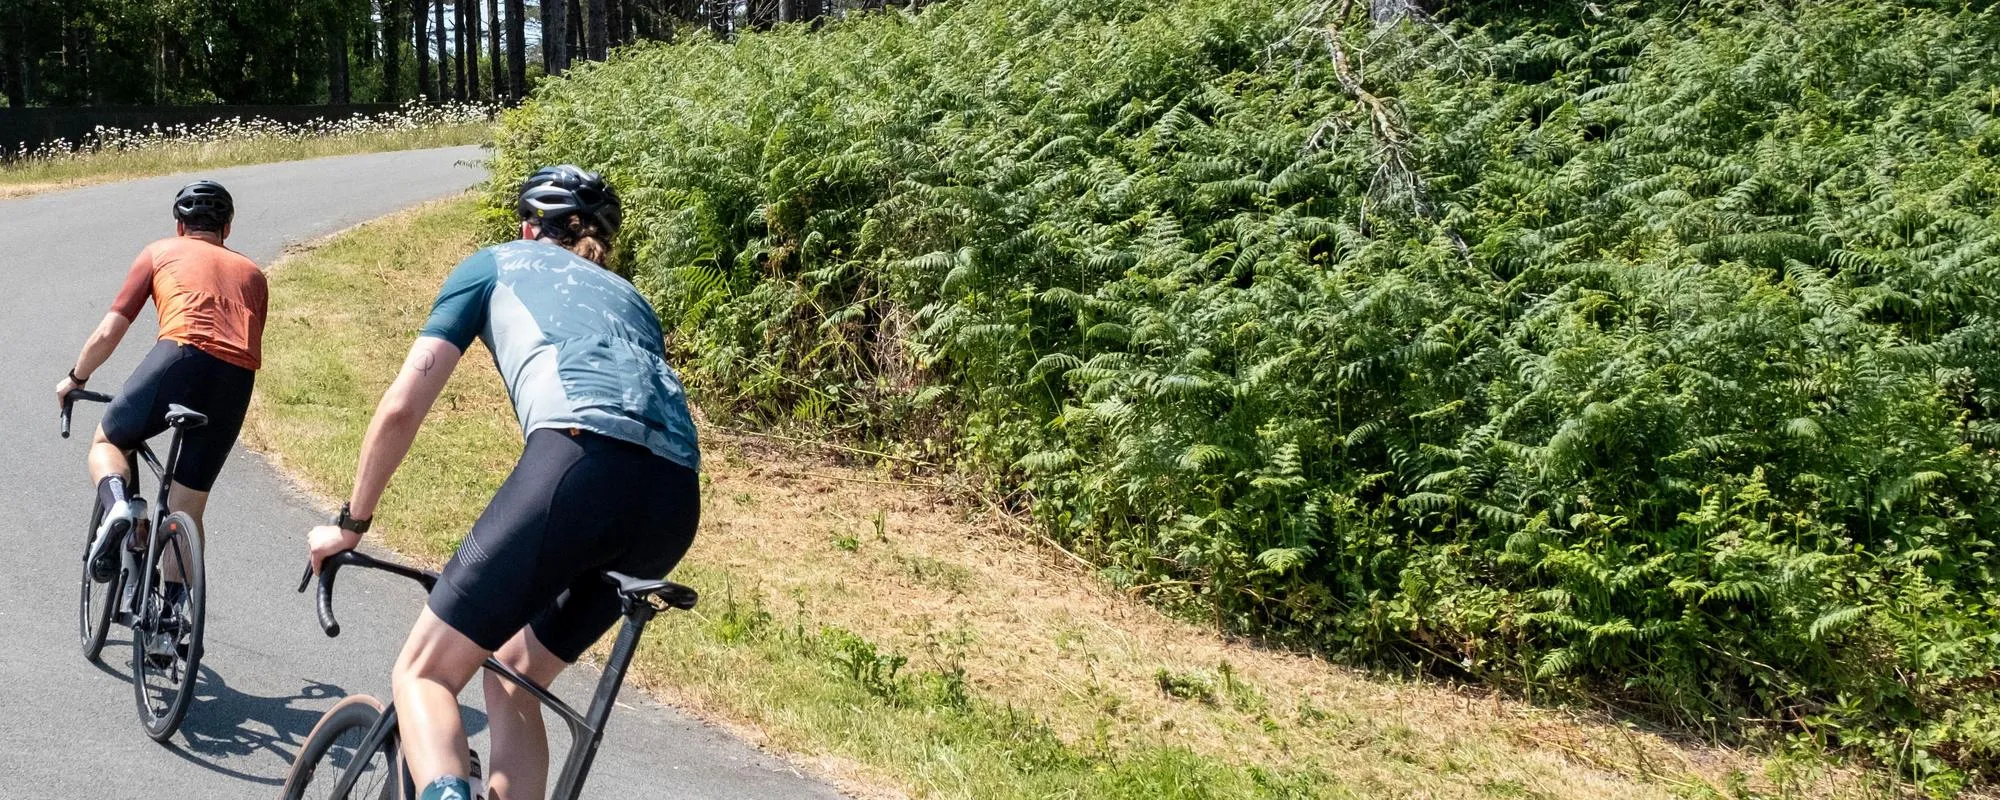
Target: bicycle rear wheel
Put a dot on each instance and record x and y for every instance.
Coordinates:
(97, 600)
(166, 638)
(331, 750)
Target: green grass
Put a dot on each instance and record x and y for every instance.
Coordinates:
(342, 319)
(165, 157)
(922, 724)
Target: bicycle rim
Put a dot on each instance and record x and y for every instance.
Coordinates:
(164, 685)
(333, 749)
(96, 600)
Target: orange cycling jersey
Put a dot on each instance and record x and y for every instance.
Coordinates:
(208, 296)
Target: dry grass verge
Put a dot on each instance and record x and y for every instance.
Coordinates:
(863, 624)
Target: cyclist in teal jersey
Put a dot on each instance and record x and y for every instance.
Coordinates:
(607, 479)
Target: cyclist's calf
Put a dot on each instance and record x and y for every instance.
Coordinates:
(519, 761)
(106, 459)
(433, 668)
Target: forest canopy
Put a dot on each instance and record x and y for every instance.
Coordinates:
(179, 52)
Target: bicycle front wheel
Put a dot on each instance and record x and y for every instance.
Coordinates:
(332, 750)
(98, 599)
(166, 630)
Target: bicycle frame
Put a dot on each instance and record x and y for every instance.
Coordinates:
(162, 473)
(586, 729)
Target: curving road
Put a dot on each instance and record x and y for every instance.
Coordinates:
(69, 729)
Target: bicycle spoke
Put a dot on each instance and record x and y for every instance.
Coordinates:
(167, 631)
(372, 780)
(97, 601)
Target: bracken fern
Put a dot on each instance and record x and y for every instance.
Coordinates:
(1649, 352)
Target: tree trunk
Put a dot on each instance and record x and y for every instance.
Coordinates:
(458, 50)
(600, 31)
(420, 24)
(494, 59)
(577, 25)
(470, 47)
(392, 50)
(555, 34)
(443, 52)
(16, 57)
(788, 10)
(548, 66)
(517, 49)
(336, 61)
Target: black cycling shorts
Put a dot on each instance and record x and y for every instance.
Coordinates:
(576, 505)
(176, 373)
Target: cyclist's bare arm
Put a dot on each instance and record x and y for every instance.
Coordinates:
(96, 350)
(132, 296)
(394, 426)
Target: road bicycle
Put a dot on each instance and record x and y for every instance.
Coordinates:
(166, 636)
(354, 752)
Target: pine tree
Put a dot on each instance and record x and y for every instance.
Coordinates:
(421, 48)
(517, 49)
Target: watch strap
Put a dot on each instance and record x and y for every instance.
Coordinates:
(347, 522)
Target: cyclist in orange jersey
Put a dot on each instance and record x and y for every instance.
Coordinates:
(211, 303)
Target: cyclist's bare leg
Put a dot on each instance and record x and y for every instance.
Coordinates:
(434, 667)
(106, 459)
(181, 498)
(520, 763)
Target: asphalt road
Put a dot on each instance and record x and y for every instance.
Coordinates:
(69, 729)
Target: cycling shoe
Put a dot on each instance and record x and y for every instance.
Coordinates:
(103, 552)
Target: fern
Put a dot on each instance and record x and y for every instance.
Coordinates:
(1648, 351)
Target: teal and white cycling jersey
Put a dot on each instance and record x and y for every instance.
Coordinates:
(577, 346)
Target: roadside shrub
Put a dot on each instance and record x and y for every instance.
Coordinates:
(1648, 351)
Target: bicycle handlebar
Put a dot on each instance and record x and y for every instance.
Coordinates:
(70, 399)
(331, 568)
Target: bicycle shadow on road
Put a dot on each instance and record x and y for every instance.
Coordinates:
(226, 725)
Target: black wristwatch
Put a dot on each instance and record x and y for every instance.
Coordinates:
(76, 380)
(347, 522)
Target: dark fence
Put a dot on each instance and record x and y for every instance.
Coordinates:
(30, 128)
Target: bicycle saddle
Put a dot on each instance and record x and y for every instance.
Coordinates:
(185, 418)
(673, 594)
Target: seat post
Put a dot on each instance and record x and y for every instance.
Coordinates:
(167, 472)
(582, 752)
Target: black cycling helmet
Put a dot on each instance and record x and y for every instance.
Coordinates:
(204, 205)
(554, 194)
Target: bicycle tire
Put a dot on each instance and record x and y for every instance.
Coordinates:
(162, 718)
(97, 600)
(348, 721)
